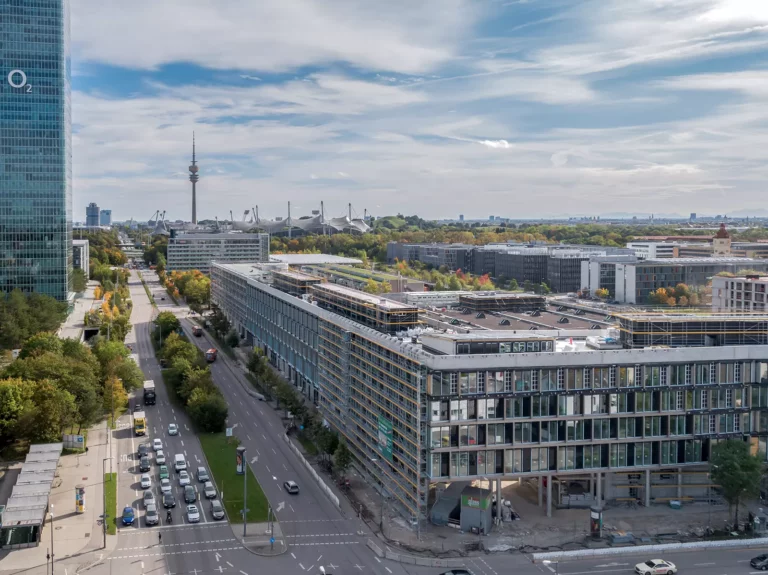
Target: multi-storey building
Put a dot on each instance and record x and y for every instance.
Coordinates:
(92, 215)
(105, 217)
(618, 412)
(739, 294)
(599, 272)
(523, 265)
(35, 148)
(81, 255)
(656, 250)
(197, 251)
(564, 270)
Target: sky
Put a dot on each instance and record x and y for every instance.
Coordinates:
(513, 108)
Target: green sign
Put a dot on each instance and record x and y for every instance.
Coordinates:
(385, 437)
(475, 502)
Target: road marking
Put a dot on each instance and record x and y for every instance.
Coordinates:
(388, 569)
(185, 453)
(261, 412)
(248, 436)
(702, 564)
(302, 567)
(142, 566)
(292, 509)
(377, 559)
(590, 572)
(318, 559)
(285, 467)
(359, 567)
(320, 535)
(310, 567)
(268, 471)
(182, 444)
(243, 572)
(246, 413)
(273, 451)
(230, 564)
(264, 436)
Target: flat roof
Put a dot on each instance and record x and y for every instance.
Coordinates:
(517, 321)
(715, 260)
(296, 275)
(26, 478)
(365, 297)
(46, 447)
(251, 269)
(311, 259)
(216, 236)
(692, 317)
(41, 457)
(480, 295)
(31, 489)
(23, 517)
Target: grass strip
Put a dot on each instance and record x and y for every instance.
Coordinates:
(110, 488)
(220, 451)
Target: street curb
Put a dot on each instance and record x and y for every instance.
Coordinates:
(412, 560)
(253, 551)
(645, 549)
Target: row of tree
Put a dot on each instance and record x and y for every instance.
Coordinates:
(274, 387)
(193, 285)
(680, 295)
(190, 377)
(104, 249)
(24, 315)
(60, 384)
(113, 318)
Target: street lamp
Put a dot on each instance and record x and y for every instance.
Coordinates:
(51, 514)
(557, 565)
(104, 498)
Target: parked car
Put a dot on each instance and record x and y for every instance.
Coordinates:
(146, 481)
(291, 487)
(209, 490)
(151, 517)
(149, 498)
(173, 429)
(217, 510)
(193, 515)
(165, 485)
(202, 475)
(160, 457)
(183, 478)
(128, 515)
(190, 495)
(169, 500)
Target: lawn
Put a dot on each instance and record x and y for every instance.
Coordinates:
(220, 452)
(110, 486)
(307, 444)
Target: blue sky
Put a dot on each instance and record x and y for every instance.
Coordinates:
(517, 108)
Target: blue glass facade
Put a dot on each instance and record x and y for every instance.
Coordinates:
(35, 147)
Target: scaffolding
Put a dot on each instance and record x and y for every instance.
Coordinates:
(692, 330)
(293, 282)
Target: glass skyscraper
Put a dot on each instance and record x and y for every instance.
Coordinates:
(35, 147)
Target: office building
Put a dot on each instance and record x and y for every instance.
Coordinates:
(598, 414)
(81, 254)
(739, 294)
(105, 217)
(35, 148)
(196, 251)
(92, 215)
(564, 270)
(655, 250)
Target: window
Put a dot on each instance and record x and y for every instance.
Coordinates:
(628, 427)
(612, 376)
(561, 378)
(677, 425)
(712, 424)
(602, 429)
(653, 426)
(619, 455)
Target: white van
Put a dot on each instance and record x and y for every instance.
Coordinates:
(179, 462)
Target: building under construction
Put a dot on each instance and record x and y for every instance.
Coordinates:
(294, 283)
(383, 315)
(497, 301)
(691, 330)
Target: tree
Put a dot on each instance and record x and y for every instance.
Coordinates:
(208, 411)
(371, 286)
(513, 285)
(79, 281)
(193, 380)
(39, 344)
(219, 322)
(544, 288)
(115, 396)
(129, 373)
(527, 286)
(326, 440)
(658, 297)
(49, 411)
(454, 284)
(167, 323)
(736, 471)
(342, 457)
(109, 352)
(602, 293)
(14, 394)
(232, 340)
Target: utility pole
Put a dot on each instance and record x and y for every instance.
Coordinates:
(244, 464)
(51, 515)
(104, 500)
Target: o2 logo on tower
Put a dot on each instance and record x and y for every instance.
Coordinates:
(18, 79)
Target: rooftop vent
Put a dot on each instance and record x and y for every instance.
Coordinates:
(594, 326)
(480, 315)
(580, 312)
(533, 327)
(563, 320)
(504, 322)
(536, 313)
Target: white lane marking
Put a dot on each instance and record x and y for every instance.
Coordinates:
(702, 564)
(318, 559)
(285, 467)
(268, 471)
(302, 567)
(310, 567)
(243, 572)
(182, 444)
(185, 453)
(246, 413)
(248, 436)
(292, 555)
(264, 436)
(590, 572)
(377, 559)
(388, 569)
(230, 564)
(261, 412)
(273, 451)
(142, 566)
(292, 509)
(174, 418)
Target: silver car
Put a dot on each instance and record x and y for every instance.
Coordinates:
(193, 515)
(151, 517)
(217, 510)
(209, 490)
(149, 498)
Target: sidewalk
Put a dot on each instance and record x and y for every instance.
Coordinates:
(73, 325)
(77, 538)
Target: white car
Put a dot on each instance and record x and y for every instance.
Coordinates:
(656, 567)
(157, 444)
(193, 515)
(146, 481)
(160, 457)
(183, 478)
(165, 485)
(173, 429)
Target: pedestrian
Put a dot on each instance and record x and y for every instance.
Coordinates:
(159, 538)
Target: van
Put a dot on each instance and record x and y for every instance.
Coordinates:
(179, 462)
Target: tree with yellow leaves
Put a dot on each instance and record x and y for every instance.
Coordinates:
(98, 292)
(115, 397)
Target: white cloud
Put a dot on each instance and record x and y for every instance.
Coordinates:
(503, 144)
(248, 77)
(271, 35)
(750, 83)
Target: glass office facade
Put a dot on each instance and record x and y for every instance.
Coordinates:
(35, 147)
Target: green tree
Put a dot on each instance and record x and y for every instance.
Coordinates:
(326, 441)
(513, 285)
(454, 284)
(49, 411)
(109, 352)
(602, 293)
(174, 346)
(115, 397)
(14, 395)
(195, 379)
(129, 373)
(39, 344)
(544, 288)
(167, 323)
(232, 339)
(736, 471)
(342, 457)
(527, 286)
(79, 281)
(208, 411)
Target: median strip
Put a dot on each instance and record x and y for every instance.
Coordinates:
(110, 497)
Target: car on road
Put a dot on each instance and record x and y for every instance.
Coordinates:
(157, 444)
(202, 475)
(144, 464)
(217, 510)
(169, 500)
(209, 490)
(146, 481)
(160, 457)
(128, 515)
(143, 449)
(165, 485)
(190, 495)
(137, 407)
(759, 562)
(291, 487)
(656, 567)
(151, 517)
(149, 498)
(183, 478)
(193, 515)
(179, 462)
(173, 429)
(454, 572)
(164, 473)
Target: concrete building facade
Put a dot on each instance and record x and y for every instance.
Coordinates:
(197, 251)
(81, 254)
(535, 407)
(105, 217)
(739, 294)
(92, 215)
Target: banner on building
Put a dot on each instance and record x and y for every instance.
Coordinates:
(385, 437)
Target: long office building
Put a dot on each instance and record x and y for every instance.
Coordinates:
(35, 148)
(630, 412)
(196, 251)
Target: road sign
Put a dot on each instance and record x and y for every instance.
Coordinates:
(272, 540)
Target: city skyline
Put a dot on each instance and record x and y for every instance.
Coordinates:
(524, 105)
